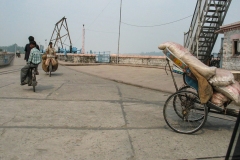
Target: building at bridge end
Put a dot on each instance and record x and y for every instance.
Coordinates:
(230, 46)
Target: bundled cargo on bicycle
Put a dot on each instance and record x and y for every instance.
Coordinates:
(49, 63)
(206, 89)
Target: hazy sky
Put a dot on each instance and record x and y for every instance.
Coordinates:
(21, 18)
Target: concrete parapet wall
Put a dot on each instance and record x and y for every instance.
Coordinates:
(123, 59)
(139, 60)
(78, 58)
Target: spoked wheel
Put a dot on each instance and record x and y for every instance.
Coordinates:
(184, 113)
(188, 88)
(50, 68)
(183, 88)
(34, 82)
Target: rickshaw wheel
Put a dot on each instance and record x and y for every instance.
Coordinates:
(183, 88)
(191, 89)
(188, 88)
(184, 113)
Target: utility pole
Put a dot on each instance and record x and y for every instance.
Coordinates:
(83, 40)
(119, 30)
(15, 48)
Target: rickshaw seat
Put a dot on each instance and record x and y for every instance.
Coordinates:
(190, 81)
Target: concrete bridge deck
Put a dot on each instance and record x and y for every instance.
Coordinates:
(76, 115)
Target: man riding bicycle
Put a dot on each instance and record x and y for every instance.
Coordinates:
(33, 61)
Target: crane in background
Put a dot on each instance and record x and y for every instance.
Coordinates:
(57, 37)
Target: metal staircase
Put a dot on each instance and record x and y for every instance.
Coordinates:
(207, 18)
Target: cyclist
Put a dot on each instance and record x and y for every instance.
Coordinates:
(33, 62)
(51, 50)
(28, 50)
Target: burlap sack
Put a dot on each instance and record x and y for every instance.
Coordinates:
(44, 56)
(218, 99)
(54, 61)
(47, 61)
(236, 86)
(44, 67)
(55, 67)
(238, 104)
(183, 54)
(223, 77)
(229, 91)
(177, 49)
(205, 90)
(45, 64)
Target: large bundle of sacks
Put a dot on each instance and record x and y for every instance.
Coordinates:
(222, 81)
(45, 63)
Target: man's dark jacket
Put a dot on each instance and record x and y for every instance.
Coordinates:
(28, 50)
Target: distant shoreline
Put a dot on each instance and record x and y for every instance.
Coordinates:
(145, 54)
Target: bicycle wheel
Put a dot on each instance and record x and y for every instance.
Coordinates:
(50, 68)
(191, 89)
(183, 88)
(187, 88)
(184, 113)
(34, 79)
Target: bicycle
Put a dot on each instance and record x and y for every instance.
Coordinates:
(33, 78)
(50, 66)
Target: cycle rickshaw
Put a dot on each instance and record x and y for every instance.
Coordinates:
(183, 111)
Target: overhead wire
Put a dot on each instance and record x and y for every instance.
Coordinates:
(157, 24)
(139, 25)
(95, 20)
(101, 31)
(143, 26)
(99, 13)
